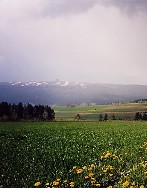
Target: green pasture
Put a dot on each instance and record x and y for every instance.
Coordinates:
(46, 152)
(124, 111)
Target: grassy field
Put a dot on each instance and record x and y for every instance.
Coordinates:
(91, 113)
(73, 154)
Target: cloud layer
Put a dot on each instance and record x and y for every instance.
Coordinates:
(75, 40)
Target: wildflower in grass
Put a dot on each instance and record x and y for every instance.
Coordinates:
(79, 171)
(37, 184)
(72, 184)
(142, 186)
(93, 179)
(133, 168)
(126, 183)
(143, 164)
(86, 177)
(110, 186)
(59, 179)
(92, 182)
(97, 185)
(133, 183)
(90, 169)
(110, 167)
(92, 165)
(55, 183)
(110, 175)
(108, 154)
(74, 167)
(91, 175)
(105, 170)
(65, 181)
(84, 167)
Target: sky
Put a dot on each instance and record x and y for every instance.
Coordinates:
(98, 41)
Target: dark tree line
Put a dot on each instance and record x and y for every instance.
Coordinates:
(141, 116)
(13, 112)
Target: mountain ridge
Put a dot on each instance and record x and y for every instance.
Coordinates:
(65, 92)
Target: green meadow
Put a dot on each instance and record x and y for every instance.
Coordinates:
(73, 154)
(121, 111)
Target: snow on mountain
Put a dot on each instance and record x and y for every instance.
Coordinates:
(51, 83)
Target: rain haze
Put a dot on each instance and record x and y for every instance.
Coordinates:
(103, 41)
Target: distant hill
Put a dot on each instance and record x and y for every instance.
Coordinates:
(67, 93)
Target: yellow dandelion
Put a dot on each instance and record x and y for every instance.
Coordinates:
(105, 170)
(90, 169)
(47, 184)
(65, 181)
(74, 167)
(110, 175)
(108, 154)
(92, 182)
(92, 165)
(86, 177)
(133, 168)
(97, 185)
(110, 167)
(143, 164)
(142, 186)
(84, 167)
(126, 183)
(110, 186)
(79, 171)
(59, 179)
(37, 184)
(55, 183)
(133, 183)
(93, 179)
(72, 184)
(91, 175)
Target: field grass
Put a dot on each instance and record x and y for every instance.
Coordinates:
(91, 113)
(83, 154)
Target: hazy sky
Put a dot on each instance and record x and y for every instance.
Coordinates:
(102, 41)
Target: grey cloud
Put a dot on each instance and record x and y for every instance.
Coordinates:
(130, 7)
(56, 8)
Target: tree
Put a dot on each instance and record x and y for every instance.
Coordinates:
(100, 117)
(20, 111)
(5, 110)
(113, 117)
(138, 116)
(78, 117)
(50, 113)
(29, 112)
(105, 117)
(144, 117)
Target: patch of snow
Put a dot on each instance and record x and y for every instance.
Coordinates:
(65, 84)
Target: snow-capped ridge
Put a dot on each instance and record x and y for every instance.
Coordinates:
(49, 83)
